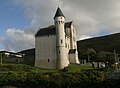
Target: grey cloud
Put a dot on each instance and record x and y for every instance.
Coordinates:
(6, 44)
(100, 14)
(20, 40)
(91, 17)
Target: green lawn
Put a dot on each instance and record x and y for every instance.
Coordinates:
(27, 68)
(22, 68)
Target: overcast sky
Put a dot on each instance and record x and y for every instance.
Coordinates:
(20, 19)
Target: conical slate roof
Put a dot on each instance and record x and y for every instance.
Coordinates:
(58, 13)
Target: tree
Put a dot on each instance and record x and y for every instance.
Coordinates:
(91, 54)
(105, 57)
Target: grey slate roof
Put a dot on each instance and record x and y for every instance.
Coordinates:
(46, 31)
(72, 51)
(58, 13)
(50, 30)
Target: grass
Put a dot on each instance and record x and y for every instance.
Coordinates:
(78, 68)
(27, 68)
(22, 68)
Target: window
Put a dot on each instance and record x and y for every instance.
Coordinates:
(59, 22)
(65, 45)
(48, 60)
(61, 41)
(59, 52)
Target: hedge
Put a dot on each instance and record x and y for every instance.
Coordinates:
(53, 80)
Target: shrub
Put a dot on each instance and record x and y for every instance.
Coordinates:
(53, 80)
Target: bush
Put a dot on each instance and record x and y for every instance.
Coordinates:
(53, 80)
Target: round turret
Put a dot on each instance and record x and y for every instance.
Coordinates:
(59, 20)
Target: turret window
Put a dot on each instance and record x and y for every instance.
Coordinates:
(59, 52)
(59, 22)
(61, 41)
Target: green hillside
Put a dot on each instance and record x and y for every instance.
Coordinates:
(104, 43)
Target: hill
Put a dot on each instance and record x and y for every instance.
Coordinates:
(103, 43)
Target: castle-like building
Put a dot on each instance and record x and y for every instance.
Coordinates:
(55, 46)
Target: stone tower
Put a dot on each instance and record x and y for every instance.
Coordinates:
(59, 20)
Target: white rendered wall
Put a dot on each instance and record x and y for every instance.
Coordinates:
(73, 37)
(73, 43)
(45, 52)
(68, 47)
(74, 58)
